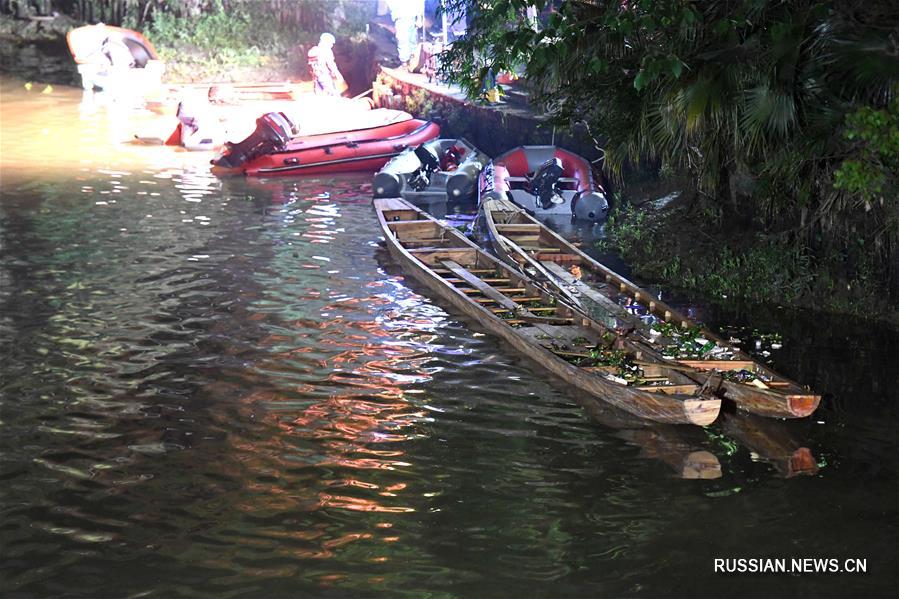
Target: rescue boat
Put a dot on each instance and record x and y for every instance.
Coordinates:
(442, 169)
(545, 180)
(115, 59)
(201, 122)
(275, 149)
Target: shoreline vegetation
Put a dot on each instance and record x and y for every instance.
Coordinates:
(781, 126)
(667, 246)
(778, 120)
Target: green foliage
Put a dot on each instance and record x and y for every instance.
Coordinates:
(872, 172)
(746, 98)
(213, 44)
(762, 268)
(215, 39)
(753, 266)
(629, 230)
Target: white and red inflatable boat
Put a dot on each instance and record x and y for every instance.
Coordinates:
(274, 150)
(546, 180)
(115, 59)
(201, 124)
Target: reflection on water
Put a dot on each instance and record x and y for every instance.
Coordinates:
(223, 387)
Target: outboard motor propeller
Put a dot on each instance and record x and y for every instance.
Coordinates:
(273, 131)
(543, 183)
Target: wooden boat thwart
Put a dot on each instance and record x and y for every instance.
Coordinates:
(508, 304)
(521, 239)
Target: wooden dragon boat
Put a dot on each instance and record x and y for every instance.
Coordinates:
(519, 238)
(550, 333)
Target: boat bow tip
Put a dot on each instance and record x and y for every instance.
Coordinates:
(702, 412)
(803, 405)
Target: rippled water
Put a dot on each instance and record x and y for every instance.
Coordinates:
(223, 388)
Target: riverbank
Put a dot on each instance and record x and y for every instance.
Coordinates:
(211, 48)
(680, 246)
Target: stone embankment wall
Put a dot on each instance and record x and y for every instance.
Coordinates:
(494, 128)
(35, 49)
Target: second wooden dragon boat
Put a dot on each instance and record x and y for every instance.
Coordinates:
(519, 238)
(550, 333)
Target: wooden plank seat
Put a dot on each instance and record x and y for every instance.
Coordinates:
(457, 280)
(503, 289)
(487, 300)
(433, 250)
(669, 389)
(555, 257)
(517, 228)
(481, 286)
(719, 364)
(524, 238)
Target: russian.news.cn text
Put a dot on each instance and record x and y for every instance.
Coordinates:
(793, 565)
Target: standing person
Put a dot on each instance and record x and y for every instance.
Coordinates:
(408, 16)
(326, 77)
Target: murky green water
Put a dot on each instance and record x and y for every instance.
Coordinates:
(222, 388)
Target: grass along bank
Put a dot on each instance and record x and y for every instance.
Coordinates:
(219, 46)
(678, 247)
(244, 47)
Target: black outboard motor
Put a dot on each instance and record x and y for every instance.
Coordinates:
(430, 163)
(273, 131)
(428, 158)
(543, 183)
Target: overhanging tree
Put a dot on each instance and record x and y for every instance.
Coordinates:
(749, 98)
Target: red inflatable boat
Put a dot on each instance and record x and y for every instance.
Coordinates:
(271, 150)
(546, 180)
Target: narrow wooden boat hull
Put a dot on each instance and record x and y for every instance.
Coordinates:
(675, 408)
(776, 397)
(266, 96)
